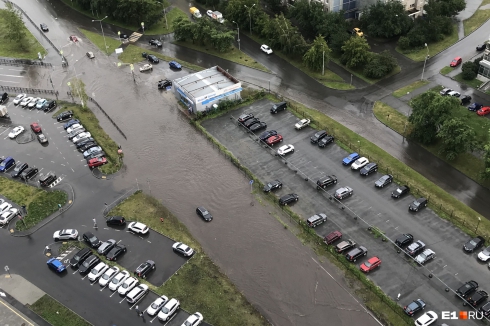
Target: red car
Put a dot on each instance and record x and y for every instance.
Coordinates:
(483, 111)
(273, 140)
(97, 161)
(332, 237)
(35, 127)
(371, 264)
(456, 62)
(73, 38)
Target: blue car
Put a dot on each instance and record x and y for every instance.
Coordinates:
(475, 107)
(41, 103)
(70, 123)
(7, 164)
(350, 159)
(175, 65)
(56, 265)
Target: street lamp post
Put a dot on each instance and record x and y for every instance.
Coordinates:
(479, 220)
(143, 27)
(425, 61)
(250, 16)
(77, 85)
(238, 40)
(100, 20)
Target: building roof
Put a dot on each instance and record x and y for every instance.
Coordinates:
(206, 82)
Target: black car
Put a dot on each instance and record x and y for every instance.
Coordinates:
(445, 91)
(19, 168)
(80, 256)
(478, 298)
(88, 264)
(267, 134)
(414, 307)
(5, 97)
(400, 191)
(258, 126)
(318, 136)
(288, 199)
(47, 179)
(369, 168)
(466, 289)
(485, 309)
(474, 244)
(86, 146)
(75, 133)
(49, 106)
(465, 99)
(29, 173)
(91, 239)
(116, 220)
(153, 59)
(404, 240)
(164, 83)
(204, 214)
(273, 185)
(356, 253)
(116, 251)
(384, 181)
(415, 248)
(64, 116)
(480, 47)
(44, 27)
(328, 139)
(145, 268)
(155, 42)
(70, 123)
(326, 181)
(418, 204)
(250, 122)
(475, 107)
(85, 141)
(244, 117)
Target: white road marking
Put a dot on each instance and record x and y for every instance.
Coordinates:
(103, 288)
(122, 300)
(8, 81)
(12, 76)
(112, 293)
(72, 170)
(148, 241)
(62, 164)
(75, 272)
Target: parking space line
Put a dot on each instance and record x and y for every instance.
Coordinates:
(122, 300)
(148, 241)
(103, 288)
(151, 321)
(72, 170)
(62, 164)
(75, 272)
(173, 316)
(92, 283)
(84, 276)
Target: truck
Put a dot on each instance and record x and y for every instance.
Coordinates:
(195, 13)
(3, 112)
(218, 17)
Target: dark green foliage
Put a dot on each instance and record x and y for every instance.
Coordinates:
(380, 65)
(204, 31)
(470, 70)
(386, 19)
(456, 137)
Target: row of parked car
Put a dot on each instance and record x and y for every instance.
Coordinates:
(7, 212)
(23, 171)
(31, 102)
(465, 100)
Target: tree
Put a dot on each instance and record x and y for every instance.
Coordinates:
(380, 65)
(386, 19)
(317, 55)
(309, 16)
(447, 8)
(457, 137)
(77, 88)
(469, 71)
(235, 11)
(14, 28)
(334, 28)
(355, 52)
(282, 34)
(485, 174)
(182, 29)
(404, 43)
(430, 110)
(222, 41)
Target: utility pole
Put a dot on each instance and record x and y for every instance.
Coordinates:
(323, 69)
(250, 16)
(425, 61)
(238, 40)
(103, 35)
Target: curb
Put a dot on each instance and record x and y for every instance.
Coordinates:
(63, 306)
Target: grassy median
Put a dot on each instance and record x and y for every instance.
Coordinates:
(475, 83)
(39, 203)
(199, 284)
(409, 88)
(57, 314)
(479, 17)
(98, 40)
(91, 123)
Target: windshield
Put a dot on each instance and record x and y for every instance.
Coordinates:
(2, 164)
(154, 305)
(473, 243)
(125, 285)
(86, 264)
(416, 203)
(187, 323)
(165, 310)
(93, 239)
(105, 276)
(423, 256)
(368, 264)
(77, 258)
(399, 191)
(17, 168)
(115, 280)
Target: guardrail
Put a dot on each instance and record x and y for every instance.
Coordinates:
(28, 90)
(22, 62)
(126, 195)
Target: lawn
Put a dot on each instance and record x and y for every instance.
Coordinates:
(132, 54)
(233, 55)
(434, 48)
(391, 117)
(57, 314)
(26, 50)
(475, 83)
(98, 40)
(409, 88)
(446, 70)
(359, 72)
(39, 203)
(199, 284)
(160, 27)
(91, 123)
(479, 17)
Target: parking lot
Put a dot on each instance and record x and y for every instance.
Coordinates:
(451, 267)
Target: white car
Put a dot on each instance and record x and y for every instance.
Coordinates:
(19, 98)
(183, 249)
(138, 227)
(285, 149)
(7, 216)
(127, 285)
(67, 234)
(118, 280)
(81, 136)
(209, 13)
(74, 127)
(4, 207)
(137, 293)
(454, 93)
(359, 163)
(426, 319)
(97, 271)
(16, 131)
(169, 309)
(302, 123)
(33, 103)
(26, 100)
(156, 305)
(194, 319)
(485, 254)
(266, 49)
(108, 276)
(146, 67)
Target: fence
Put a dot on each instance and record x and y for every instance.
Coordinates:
(29, 90)
(119, 200)
(21, 62)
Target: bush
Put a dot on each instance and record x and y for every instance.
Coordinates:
(476, 64)
(404, 43)
(469, 75)
(380, 65)
(469, 70)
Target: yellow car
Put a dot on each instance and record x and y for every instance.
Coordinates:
(358, 32)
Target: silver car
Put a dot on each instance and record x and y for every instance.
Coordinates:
(425, 256)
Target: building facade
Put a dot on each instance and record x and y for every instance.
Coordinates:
(484, 69)
(353, 8)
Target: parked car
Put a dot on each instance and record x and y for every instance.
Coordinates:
(404, 240)
(19, 168)
(267, 134)
(483, 111)
(97, 271)
(356, 253)
(350, 159)
(466, 289)
(456, 62)
(318, 136)
(168, 309)
(474, 107)
(26, 100)
(359, 163)
(454, 94)
(473, 244)
(127, 285)
(266, 49)
(326, 181)
(70, 123)
(88, 263)
(370, 264)
(344, 246)
(137, 293)
(65, 234)
(285, 149)
(118, 280)
(400, 191)
(175, 65)
(49, 106)
(332, 237)
(204, 214)
(7, 163)
(164, 83)
(96, 161)
(36, 127)
(80, 257)
(146, 67)
(465, 99)
(484, 255)
(155, 42)
(193, 320)
(328, 139)
(91, 239)
(343, 192)
(302, 123)
(358, 32)
(316, 220)
(76, 132)
(29, 173)
(4, 98)
(156, 305)
(477, 298)
(485, 309)
(273, 140)
(244, 117)
(445, 91)
(40, 103)
(258, 126)
(248, 123)
(368, 169)
(47, 179)
(115, 252)
(425, 256)
(15, 132)
(19, 98)
(90, 55)
(106, 246)
(116, 220)
(288, 199)
(414, 306)
(74, 127)
(80, 137)
(415, 248)
(33, 103)
(138, 228)
(144, 269)
(384, 181)
(5, 207)
(278, 107)
(272, 185)
(182, 249)
(426, 319)
(56, 265)
(481, 47)
(108, 275)
(153, 59)
(65, 116)
(7, 216)
(418, 204)
(86, 146)
(92, 150)
(95, 155)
